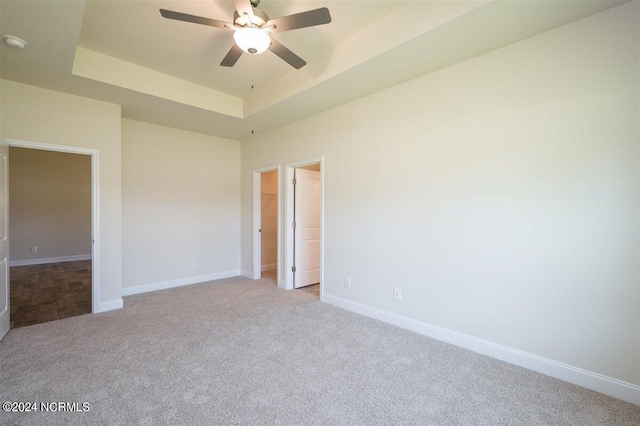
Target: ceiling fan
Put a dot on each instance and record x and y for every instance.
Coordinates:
(252, 27)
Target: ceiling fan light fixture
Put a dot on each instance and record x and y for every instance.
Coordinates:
(252, 40)
(252, 27)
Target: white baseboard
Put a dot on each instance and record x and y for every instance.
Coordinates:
(110, 305)
(578, 376)
(269, 267)
(44, 260)
(128, 291)
(247, 273)
(282, 284)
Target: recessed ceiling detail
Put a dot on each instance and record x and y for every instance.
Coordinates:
(106, 69)
(124, 52)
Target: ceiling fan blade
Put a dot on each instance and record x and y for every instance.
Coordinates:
(300, 20)
(232, 57)
(288, 56)
(244, 8)
(178, 16)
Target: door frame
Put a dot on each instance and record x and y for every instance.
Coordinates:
(289, 200)
(95, 205)
(257, 220)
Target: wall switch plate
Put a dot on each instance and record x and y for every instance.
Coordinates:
(194, 263)
(347, 282)
(397, 293)
(34, 249)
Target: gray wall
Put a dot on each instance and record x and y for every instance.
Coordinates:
(50, 204)
(501, 195)
(180, 202)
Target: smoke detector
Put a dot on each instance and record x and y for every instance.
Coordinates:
(15, 42)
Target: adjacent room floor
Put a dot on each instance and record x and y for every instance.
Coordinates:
(271, 277)
(313, 289)
(42, 293)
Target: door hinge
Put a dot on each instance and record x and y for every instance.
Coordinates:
(293, 225)
(294, 181)
(293, 269)
(259, 230)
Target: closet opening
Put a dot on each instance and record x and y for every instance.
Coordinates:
(266, 220)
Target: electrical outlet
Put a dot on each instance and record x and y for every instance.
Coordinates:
(347, 282)
(34, 249)
(194, 263)
(397, 293)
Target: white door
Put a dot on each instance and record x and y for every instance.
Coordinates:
(306, 238)
(4, 240)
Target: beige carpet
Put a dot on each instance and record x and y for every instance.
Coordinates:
(241, 352)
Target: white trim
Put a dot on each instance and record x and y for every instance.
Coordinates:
(269, 267)
(246, 273)
(288, 245)
(162, 285)
(607, 385)
(110, 306)
(257, 219)
(96, 304)
(95, 221)
(45, 260)
(279, 227)
(50, 147)
(288, 231)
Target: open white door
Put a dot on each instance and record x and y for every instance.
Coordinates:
(4, 240)
(307, 200)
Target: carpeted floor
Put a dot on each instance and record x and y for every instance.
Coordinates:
(242, 352)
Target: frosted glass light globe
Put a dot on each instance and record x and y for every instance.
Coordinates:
(252, 40)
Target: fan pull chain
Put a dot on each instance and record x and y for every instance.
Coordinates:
(252, 109)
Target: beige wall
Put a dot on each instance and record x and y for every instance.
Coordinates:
(501, 195)
(269, 220)
(39, 115)
(50, 205)
(180, 202)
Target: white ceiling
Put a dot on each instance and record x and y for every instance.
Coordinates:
(113, 50)
(193, 52)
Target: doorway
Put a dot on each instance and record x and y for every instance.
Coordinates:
(305, 213)
(93, 155)
(266, 224)
(50, 230)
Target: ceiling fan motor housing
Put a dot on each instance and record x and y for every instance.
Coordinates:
(259, 18)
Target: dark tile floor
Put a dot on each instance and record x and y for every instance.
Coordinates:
(41, 293)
